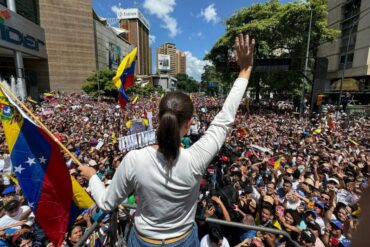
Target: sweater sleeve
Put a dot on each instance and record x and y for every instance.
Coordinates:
(121, 186)
(203, 151)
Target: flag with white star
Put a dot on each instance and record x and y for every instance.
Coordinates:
(41, 172)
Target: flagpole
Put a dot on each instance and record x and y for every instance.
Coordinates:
(24, 107)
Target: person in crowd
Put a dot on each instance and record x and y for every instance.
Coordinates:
(170, 183)
(322, 173)
(214, 238)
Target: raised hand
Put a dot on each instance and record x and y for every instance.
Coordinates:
(244, 54)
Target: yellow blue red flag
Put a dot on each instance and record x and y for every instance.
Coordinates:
(125, 76)
(53, 195)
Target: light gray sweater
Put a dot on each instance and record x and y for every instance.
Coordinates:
(168, 197)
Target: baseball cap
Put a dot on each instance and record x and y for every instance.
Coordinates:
(313, 226)
(309, 181)
(224, 159)
(337, 224)
(320, 204)
(308, 236)
(8, 190)
(11, 205)
(311, 212)
(334, 180)
(92, 163)
(268, 199)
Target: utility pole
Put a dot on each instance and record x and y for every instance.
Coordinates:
(306, 64)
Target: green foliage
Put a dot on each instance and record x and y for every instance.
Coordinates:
(210, 75)
(275, 26)
(105, 85)
(187, 83)
(144, 89)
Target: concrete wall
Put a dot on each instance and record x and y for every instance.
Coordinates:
(105, 36)
(361, 61)
(168, 83)
(69, 34)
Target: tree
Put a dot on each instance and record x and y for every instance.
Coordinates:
(106, 87)
(210, 75)
(100, 83)
(187, 83)
(281, 31)
(144, 89)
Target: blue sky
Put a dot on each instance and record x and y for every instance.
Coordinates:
(193, 25)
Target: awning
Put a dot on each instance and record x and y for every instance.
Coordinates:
(349, 84)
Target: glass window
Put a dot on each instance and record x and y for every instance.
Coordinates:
(28, 9)
(3, 2)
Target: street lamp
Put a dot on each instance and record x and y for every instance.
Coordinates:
(306, 62)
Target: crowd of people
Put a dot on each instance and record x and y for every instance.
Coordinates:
(302, 176)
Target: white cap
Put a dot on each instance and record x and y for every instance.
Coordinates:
(333, 180)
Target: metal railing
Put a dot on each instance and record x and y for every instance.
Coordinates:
(96, 224)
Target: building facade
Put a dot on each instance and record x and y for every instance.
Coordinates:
(170, 50)
(352, 48)
(110, 44)
(56, 45)
(70, 42)
(23, 53)
(181, 62)
(138, 28)
(177, 59)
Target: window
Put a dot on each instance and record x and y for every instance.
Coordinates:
(28, 9)
(350, 58)
(350, 17)
(3, 2)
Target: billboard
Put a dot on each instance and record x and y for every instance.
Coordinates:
(114, 56)
(164, 62)
(18, 33)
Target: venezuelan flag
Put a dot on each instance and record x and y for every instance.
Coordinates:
(51, 97)
(133, 102)
(275, 162)
(41, 172)
(125, 76)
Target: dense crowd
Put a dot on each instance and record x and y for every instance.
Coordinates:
(304, 177)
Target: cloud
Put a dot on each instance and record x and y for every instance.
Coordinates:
(195, 66)
(170, 24)
(117, 9)
(151, 39)
(197, 35)
(210, 13)
(162, 10)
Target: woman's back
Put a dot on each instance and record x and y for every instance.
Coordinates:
(167, 196)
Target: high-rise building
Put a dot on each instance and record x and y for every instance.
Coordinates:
(138, 28)
(168, 49)
(352, 19)
(150, 61)
(177, 59)
(70, 45)
(181, 62)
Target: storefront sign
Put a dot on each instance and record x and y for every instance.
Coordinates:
(134, 14)
(18, 33)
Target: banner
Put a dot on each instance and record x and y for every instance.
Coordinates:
(137, 140)
(114, 56)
